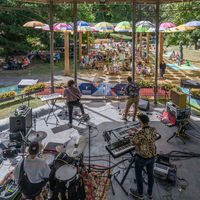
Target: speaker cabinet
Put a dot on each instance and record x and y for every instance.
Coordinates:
(178, 98)
(22, 122)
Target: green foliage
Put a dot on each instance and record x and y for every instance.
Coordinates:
(184, 12)
(8, 95)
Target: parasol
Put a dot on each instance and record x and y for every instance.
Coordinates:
(124, 26)
(33, 24)
(104, 26)
(183, 28)
(192, 24)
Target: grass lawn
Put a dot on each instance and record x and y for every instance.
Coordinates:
(120, 36)
(8, 107)
(37, 68)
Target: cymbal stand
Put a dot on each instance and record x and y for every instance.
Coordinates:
(24, 142)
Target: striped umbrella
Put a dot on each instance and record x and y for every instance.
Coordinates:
(124, 26)
(192, 24)
(104, 27)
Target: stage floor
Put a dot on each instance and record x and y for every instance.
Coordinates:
(105, 116)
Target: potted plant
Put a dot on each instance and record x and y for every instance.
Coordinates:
(31, 89)
(145, 84)
(7, 96)
(167, 86)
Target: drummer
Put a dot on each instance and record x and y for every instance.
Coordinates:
(36, 172)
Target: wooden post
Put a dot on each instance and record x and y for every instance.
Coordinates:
(80, 46)
(133, 38)
(136, 40)
(75, 43)
(93, 40)
(157, 42)
(140, 44)
(88, 42)
(67, 53)
(51, 45)
(148, 36)
(161, 47)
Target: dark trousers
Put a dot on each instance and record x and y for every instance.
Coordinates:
(140, 163)
(70, 108)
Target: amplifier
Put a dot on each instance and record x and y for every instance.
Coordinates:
(178, 98)
(22, 121)
(179, 113)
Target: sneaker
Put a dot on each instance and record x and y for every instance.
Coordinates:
(135, 194)
(50, 194)
(70, 125)
(149, 196)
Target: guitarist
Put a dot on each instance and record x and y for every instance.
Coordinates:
(73, 96)
(132, 91)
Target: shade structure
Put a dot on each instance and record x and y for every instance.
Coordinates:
(167, 25)
(142, 29)
(144, 24)
(42, 27)
(33, 24)
(192, 24)
(124, 26)
(104, 27)
(183, 28)
(59, 27)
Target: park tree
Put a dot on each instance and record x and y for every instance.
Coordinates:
(178, 14)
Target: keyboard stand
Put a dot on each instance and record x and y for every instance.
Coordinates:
(51, 111)
(126, 173)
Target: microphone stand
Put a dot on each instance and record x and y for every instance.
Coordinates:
(24, 142)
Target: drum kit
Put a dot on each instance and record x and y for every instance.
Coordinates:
(66, 164)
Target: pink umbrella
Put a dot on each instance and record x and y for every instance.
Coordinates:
(167, 25)
(59, 27)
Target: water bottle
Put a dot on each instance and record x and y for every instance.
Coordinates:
(16, 113)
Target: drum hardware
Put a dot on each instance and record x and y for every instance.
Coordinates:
(37, 136)
(74, 147)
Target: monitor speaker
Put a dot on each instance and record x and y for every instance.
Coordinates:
(143, 105)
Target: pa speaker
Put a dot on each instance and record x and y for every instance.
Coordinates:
(143, 105)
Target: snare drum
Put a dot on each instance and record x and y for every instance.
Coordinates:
(66, 173)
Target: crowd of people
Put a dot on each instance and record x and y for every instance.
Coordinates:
(175, 56)
(114, 58)
(18, 62)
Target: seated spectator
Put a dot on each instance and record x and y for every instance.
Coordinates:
(57, 57)
(24, 63)
(105, 69)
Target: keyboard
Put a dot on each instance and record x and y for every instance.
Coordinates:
(120, 147)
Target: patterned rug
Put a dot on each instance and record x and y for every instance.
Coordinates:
(96, 183)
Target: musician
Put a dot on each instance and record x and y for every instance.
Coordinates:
(132, 91)
(144, 142)
(34, 175)
(73, 96)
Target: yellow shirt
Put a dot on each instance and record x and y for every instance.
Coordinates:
(144, 142)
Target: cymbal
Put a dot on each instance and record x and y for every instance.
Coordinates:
(73, 147)
(37, 136)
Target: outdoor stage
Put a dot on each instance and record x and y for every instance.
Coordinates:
(105, 116)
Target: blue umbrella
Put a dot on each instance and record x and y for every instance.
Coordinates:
(82, 23)
(192, 24)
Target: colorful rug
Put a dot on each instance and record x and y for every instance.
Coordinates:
(96, 183)
(182, 67)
